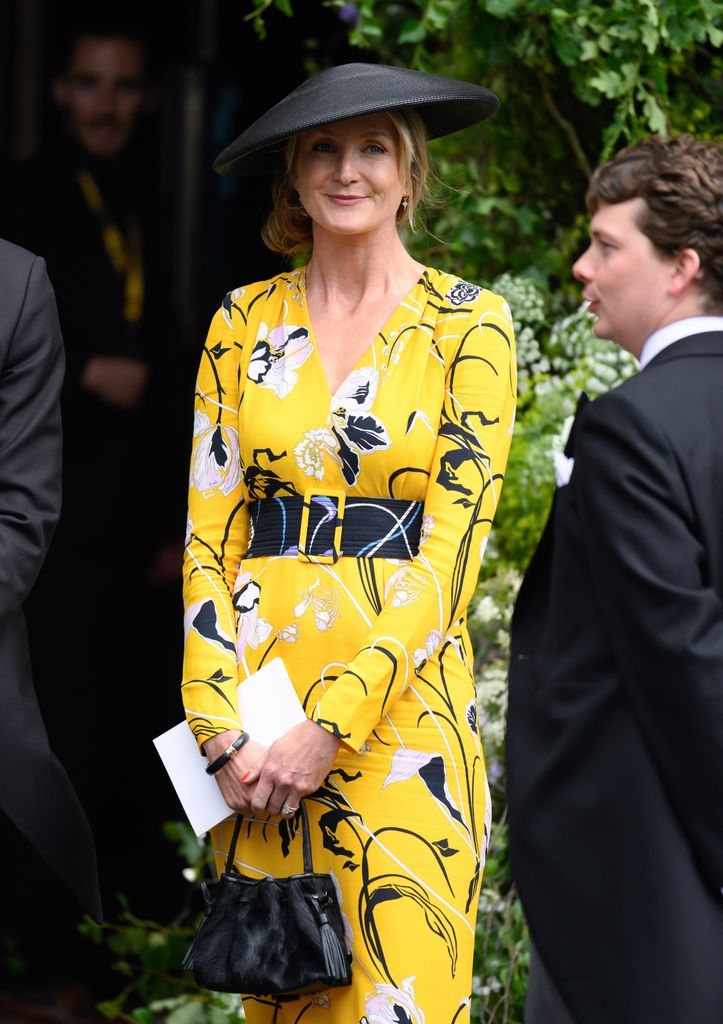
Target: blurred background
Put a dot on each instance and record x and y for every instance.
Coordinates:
(211, 76)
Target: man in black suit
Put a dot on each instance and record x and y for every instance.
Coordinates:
(78, 205)
(35, 792)
(615, 723)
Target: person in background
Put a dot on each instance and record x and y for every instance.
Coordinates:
(37, 799)
(353, 420)
(84, 204)
(615, 730)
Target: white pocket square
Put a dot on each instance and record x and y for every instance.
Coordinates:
(563, 468)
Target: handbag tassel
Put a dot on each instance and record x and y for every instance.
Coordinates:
(334, 958)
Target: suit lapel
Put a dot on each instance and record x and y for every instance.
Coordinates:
(582, 401)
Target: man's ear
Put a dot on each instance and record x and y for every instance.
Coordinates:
(686, 272)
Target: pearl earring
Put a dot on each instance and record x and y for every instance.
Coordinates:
(405, 202)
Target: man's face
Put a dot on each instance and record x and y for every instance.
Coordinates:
(625, 279)
(102, 93)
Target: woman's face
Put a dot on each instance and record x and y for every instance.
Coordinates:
(347, 176)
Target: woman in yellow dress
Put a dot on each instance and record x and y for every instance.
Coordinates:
(377, 391)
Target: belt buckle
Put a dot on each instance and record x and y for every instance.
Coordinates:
(314, 492)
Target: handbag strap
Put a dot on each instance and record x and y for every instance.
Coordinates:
(232, 848)
(305, 842)
(305, 839)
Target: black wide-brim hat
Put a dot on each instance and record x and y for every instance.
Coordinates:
(445, 105)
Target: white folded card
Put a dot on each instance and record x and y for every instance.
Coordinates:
(268, 707)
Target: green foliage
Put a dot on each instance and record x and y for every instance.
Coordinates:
(260, 8)
(558, 356)
(502, 948)
(576, 80)
(147, 955)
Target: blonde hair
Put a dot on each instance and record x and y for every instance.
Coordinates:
(288, 228)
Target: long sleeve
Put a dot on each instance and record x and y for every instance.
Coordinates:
(31, 374)
(216, 533)
(467, 471)
(659, 606)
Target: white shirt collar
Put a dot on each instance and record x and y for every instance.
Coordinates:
(660, 339)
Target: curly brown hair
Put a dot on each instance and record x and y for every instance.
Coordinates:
(288, 228)
(681, 181)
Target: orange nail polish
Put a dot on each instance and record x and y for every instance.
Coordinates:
(245, 775)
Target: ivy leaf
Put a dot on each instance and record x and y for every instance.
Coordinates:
(608, 83)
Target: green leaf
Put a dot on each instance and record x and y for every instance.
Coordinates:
(607, 82)
(412, 32)
(657, 121)
(144, 1016)
(189, 1013)
(567, 48)
(502, 8)
(651, 37)
(109, 1009)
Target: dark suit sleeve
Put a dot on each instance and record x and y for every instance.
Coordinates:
(663, 616)
(31, 375)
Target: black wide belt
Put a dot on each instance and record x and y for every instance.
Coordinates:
(326, 525)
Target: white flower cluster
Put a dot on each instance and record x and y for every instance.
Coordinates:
(487, 987)
(485, 610)
(526, 299)
(580, 360)
(528, 304)
(492, 704)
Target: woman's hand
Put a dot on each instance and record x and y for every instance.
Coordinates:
(237, 777)
(295, 765)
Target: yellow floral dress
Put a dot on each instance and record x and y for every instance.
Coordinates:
(377, 648)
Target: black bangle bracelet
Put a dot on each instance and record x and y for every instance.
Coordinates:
(228, 753)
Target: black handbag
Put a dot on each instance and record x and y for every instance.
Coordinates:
(270, 936)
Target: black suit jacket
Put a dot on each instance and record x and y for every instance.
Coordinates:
(35, 791)
(615, 722)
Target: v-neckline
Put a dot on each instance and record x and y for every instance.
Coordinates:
(368, 348)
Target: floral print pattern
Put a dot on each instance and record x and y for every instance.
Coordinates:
(350, 432)
(324, 605)
(390, 1005)
(377, 648)
(312, 450)
(462, 292)
(277, 355)
(250, 629)
(215, 465)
